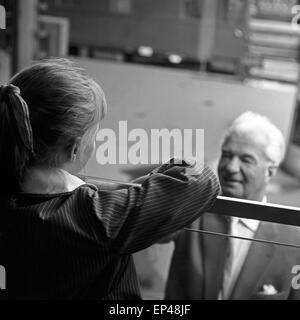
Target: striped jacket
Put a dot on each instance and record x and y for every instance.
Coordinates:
(78, 245)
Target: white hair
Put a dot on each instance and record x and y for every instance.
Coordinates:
(262, 131)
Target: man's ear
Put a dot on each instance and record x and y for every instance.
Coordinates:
(272, 170)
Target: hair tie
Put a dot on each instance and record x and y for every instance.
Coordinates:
(6, 90)
(12, 94)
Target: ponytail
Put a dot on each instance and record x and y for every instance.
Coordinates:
(16, 141)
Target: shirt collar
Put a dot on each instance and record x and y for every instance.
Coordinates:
(249, 223)
(252, 225)
(50, 181)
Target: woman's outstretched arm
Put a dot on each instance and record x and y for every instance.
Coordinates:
(169, 199)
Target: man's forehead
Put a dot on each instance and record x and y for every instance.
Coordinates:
(244, 143)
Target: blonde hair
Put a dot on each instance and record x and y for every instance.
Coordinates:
(60, 103)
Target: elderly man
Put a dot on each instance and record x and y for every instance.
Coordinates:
(209, 267)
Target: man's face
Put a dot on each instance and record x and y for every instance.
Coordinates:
(243, 168)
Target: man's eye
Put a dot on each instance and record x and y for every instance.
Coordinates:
(226, 155)
(248, 160)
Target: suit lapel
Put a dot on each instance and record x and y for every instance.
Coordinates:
(215, 250)
(256, 262)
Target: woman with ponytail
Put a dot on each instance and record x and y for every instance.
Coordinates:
(61, 238)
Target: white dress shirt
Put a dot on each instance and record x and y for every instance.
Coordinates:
(239, 249)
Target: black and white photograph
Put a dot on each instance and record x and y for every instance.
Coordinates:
(149, 153)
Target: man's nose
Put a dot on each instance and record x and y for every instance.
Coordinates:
(233, 166)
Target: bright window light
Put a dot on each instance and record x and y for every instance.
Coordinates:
(145, 51)
(175, 58)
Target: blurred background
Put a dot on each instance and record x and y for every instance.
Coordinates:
(252, 38)
(183, 64)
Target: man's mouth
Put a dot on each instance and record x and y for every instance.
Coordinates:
(232, 181)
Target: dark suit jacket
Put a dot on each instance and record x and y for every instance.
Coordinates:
(198, 262)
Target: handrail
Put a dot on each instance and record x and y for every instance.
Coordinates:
(241, 208)
(257, 210)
